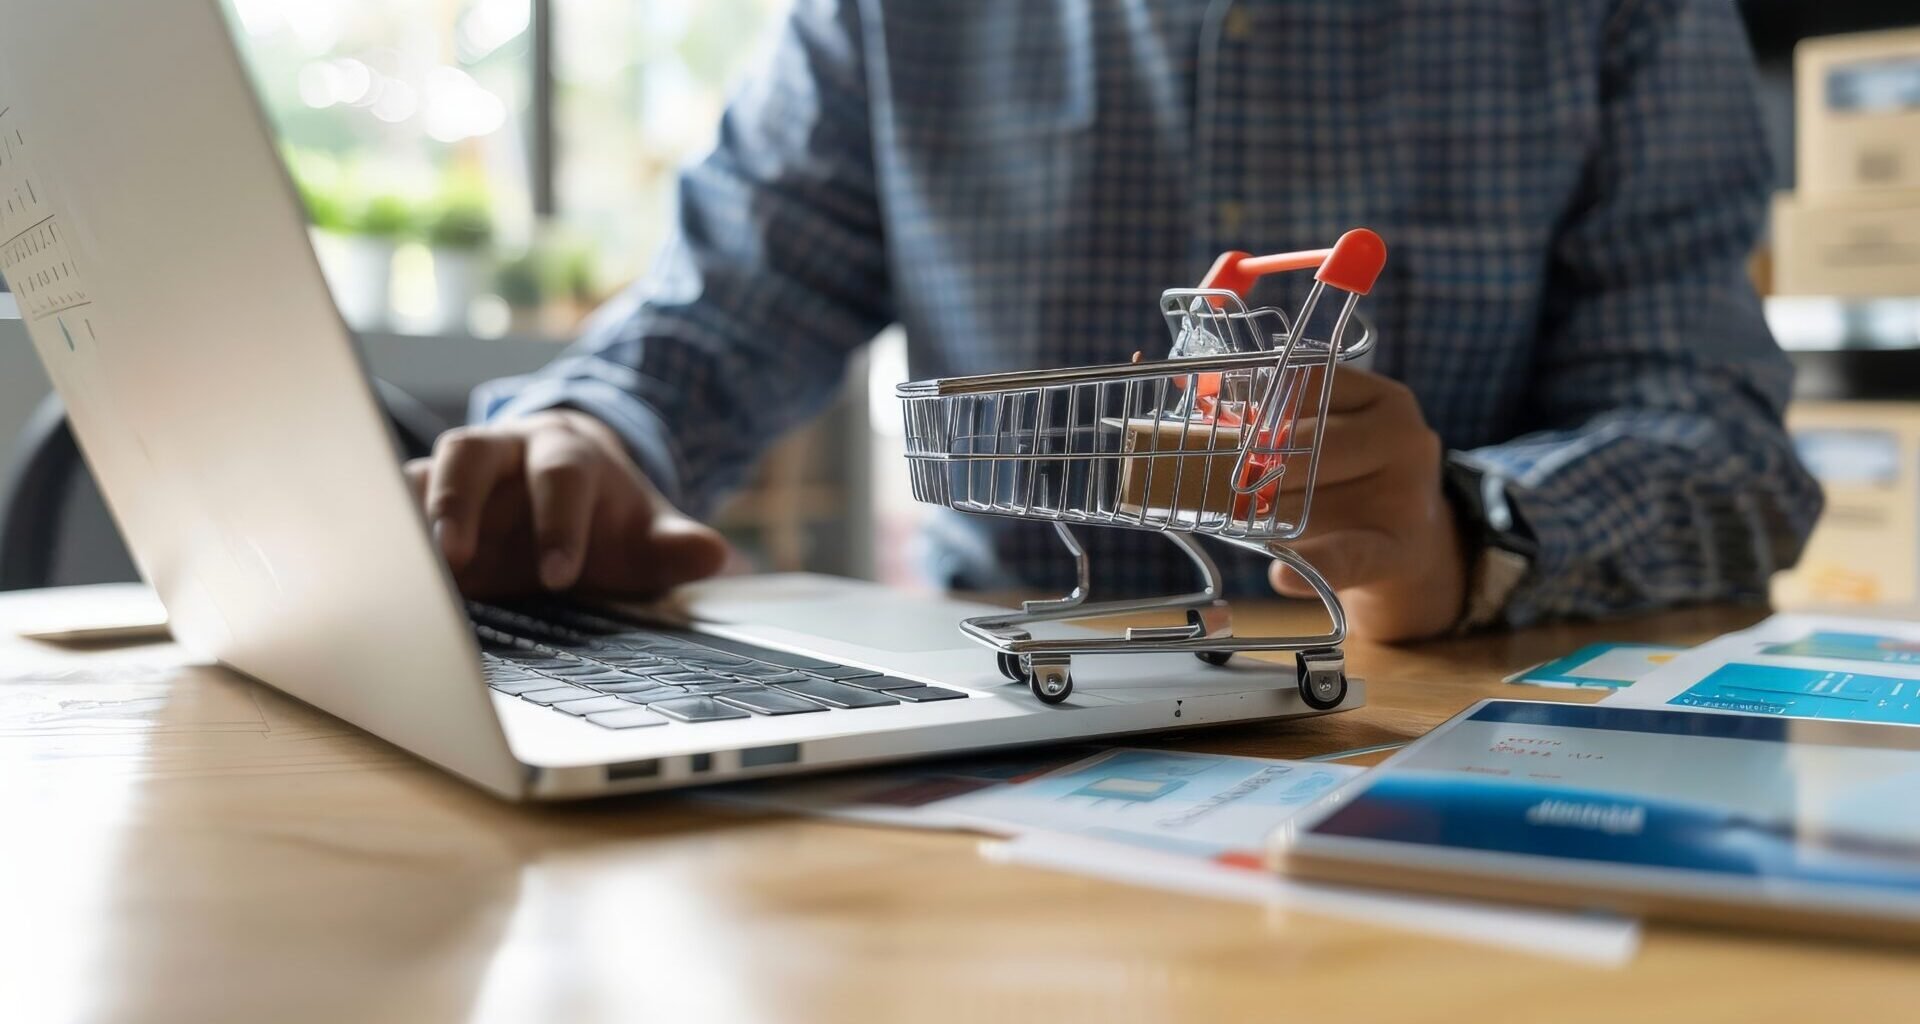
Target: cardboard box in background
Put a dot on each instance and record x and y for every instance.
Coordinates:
(1864, 248)
(1856, 129)
(1852, 225)
(1866, 548)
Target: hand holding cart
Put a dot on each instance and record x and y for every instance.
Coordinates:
(1221, 439)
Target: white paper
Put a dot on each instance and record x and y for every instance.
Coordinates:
(1598, 940)
(1199, 805)
(108, 611)
(917, 795)
(1795, 666)
(1118, 815)
(1205, 806)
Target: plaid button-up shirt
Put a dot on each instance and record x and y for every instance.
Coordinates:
(1568, 190)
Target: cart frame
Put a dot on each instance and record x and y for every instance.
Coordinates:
(1235, 414)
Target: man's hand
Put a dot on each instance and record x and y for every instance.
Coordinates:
(1380, 529)
(554, 502)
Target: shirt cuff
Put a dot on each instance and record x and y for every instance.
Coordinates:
(1551, 518)
(641, 429)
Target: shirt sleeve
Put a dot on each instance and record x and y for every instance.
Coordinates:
(1658, 470)
(774, 271)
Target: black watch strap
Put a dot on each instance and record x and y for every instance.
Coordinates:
(1500, 548)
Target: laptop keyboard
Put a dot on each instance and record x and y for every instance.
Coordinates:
(618, 675)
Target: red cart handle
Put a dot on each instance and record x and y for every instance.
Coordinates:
(1352, 265)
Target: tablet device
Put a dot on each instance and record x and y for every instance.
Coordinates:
(1804, 825)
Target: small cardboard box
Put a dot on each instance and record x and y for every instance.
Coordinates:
(1860, 247)
(1193, 485)
(1866, 548)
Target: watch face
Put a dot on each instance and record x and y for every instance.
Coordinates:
(1496, 575)
(1481, 499)
(1493, 503)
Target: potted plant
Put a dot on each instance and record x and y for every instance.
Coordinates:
(330, 219)
(576, 290)
(520, 283)
(550, 287)
(376, 230)
(460, 235)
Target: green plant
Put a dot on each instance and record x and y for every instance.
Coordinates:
(576, 276)
(555, 268)
(520, 283)
(322, 188)
(387, 217)
(325, 210)
(462, 217)
(465, 226)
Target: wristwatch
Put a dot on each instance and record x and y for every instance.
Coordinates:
(1500, 548)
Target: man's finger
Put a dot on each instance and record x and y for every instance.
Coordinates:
(417, 473)
(659, 549)
(687, 549)
(563, 485)
(1353, 446)
(1355, 390)
(467, 466)
(1346, 558)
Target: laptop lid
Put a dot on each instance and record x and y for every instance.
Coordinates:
(159, 257)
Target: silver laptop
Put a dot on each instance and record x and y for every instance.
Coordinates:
(159, 258)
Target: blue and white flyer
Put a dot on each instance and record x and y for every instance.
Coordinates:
(1796, 666)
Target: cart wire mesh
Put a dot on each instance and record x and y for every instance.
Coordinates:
(1221, 439)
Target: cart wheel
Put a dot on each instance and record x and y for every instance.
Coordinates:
(1214, 657)
(1051, 683)
(1010, 667)
(1323, 678)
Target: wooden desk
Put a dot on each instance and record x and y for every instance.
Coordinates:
(182, 845)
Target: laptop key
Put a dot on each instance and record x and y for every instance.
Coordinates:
(841, 672)
(634, 640)
(786, 659)
(766, 654)
(628, 717)
(923, 694)
(592, 705)
(516, 687)
(626, 659)
(557, 694)
(883, 683)
(719, 686)
(687, 677)
(625, 686)
(500, 671)
(536, 660)
(604, 677)
(759, 670)
(640, 671)
(652, 694)
(783, 678)
(770, 702)
(838, 695)
(697, 709)
(713, 657)
(577, 668)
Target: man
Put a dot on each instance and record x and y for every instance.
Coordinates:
(1575, 407)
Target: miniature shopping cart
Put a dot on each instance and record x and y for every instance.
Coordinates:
(1221, 439)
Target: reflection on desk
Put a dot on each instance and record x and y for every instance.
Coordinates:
(184, 845)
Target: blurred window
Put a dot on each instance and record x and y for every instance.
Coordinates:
(455, 182)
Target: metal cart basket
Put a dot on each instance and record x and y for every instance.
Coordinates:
(1221, 439)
